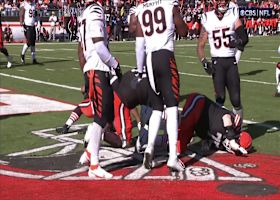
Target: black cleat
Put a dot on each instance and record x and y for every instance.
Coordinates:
(63, 130)
(22, 59)
(34, 62)
(277, 94)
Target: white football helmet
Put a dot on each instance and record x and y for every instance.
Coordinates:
(222, 5)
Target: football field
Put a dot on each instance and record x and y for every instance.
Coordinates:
(35, 99)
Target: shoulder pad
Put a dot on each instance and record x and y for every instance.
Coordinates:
(94, 12)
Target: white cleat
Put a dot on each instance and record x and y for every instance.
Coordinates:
(99, 173)
(175, 165)
(148, 158)
(9, 65)
(84, 159)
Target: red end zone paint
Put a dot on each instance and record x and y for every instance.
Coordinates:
(265, 167)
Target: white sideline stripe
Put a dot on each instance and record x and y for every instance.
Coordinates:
(66, 149)
(217, 165)
(19, 174)
(66, 173)
(40, 149)
(224, 178)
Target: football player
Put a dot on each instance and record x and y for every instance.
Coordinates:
(218, 127)
(2, 48)
(28, 20)
(225, 32)
(156, 23)
(277, 93)
(96, 61)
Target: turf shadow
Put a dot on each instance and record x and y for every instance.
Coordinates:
(252, 73)
(259, 129)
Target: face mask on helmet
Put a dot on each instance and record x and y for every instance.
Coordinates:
(244, 140)
(222, 5)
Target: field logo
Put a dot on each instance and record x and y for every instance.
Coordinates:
(64, 161)
(14, 104)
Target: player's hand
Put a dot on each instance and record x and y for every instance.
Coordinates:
(139, 125)
(117, 71)
(236, 147)
(207, 66)
(236, 43)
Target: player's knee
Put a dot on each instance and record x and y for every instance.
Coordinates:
(100, 121)
(235, 100)
(170, 102)
(220, 100)
(3, 50)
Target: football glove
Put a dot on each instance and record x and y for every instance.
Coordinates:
(236, 43)
(207, 66)
(233, 147)
(117, 71)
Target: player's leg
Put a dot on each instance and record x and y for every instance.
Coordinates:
(155, 118)
(122, 121)
(4, 50)
(104, 113)
(32, 44)
(219, 78)
(277, 73)
(27, 33)
(188, 119)
(233, 86)
(168, 84)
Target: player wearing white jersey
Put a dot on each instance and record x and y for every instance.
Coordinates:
(96, 61)
(28, 20)
(225, 33)
(156, 22)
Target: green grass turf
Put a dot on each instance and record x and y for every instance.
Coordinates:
(60, 66)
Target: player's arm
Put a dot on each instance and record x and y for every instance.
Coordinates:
(21, 15)
(241, 36)
(132, 20)
(203, 38)
(136, 115)
(81, 56)
(140, 48)
(104, 53)
(180, 25)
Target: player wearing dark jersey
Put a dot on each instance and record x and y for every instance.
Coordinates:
(225, 34)
(2, 48)
(218, 126)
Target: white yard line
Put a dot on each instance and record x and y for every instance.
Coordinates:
(188, 74)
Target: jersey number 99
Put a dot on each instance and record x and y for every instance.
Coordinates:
(150, 19)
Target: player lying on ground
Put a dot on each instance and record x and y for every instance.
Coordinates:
(119, 135)
(218, 127)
